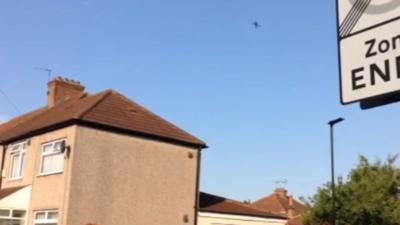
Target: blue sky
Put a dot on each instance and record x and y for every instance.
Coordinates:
(260, 98)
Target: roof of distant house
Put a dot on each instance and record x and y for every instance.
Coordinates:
(216, 204)
(106, 110)
(279, 202)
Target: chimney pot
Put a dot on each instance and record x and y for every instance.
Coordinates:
(61, 89)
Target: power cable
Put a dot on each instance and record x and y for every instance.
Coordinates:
(10, 101)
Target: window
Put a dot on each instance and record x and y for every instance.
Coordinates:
(12, 217)
(18, 152)
(52, 158)
(48, 217)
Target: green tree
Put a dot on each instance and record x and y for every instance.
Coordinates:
(370, 196)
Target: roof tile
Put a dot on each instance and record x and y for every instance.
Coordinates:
(107, 108)
(217, 204)
(279, 204)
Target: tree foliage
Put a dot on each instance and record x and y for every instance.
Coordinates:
(370, 196)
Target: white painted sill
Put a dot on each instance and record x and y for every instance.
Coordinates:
(15, 179)
(49, 174)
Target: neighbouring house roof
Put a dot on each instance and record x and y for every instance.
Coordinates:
(8, 191)
(279, 202)
(105, 110)
(216, 204)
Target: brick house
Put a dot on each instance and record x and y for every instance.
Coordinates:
(282, 203)
(96, 158)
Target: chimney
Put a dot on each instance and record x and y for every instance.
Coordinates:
(282, 192)
(291, 211)
(61, 89)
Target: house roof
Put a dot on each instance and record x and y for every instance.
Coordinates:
(105, 110)
(216, 204)
(278, 202)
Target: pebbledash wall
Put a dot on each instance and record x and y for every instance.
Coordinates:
(124, 180)
(111, 178)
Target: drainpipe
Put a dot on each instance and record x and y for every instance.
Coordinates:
(196, 208)
(3, 156)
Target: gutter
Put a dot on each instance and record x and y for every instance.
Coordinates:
(245, 214)
(99, 126)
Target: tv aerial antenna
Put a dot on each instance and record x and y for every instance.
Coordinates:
(49, 72)
(281, 183)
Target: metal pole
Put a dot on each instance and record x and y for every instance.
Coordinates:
(331, 125)
(333, 222)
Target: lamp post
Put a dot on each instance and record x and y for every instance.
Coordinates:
(331, 125)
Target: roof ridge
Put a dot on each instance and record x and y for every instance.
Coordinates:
(103, 95)
(157, 116)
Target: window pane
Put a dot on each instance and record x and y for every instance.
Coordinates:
(52, 215)
(48, 148)
(52, 163)
(46, 217)
(40, 216)
(21, 165)
(57, 146)
(15, 165)
(4, 212)
(18, 213)
(15, 147)
(46, 164)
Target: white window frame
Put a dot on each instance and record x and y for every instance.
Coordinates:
(54, 152)
(10, 217)
(21, 151)
(46, 220)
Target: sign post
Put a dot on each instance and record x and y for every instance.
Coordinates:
(369, 51)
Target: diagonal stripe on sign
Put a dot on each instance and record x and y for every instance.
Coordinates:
(356, 17)
(350, 15)
(353, 17)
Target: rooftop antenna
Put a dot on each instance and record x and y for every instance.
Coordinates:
(49, 71)
(281, 183)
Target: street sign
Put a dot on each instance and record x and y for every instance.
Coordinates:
(369, 48)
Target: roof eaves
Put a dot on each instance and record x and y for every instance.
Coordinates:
(138, 134)
(200, 142)
(272, 216)
(40, 131)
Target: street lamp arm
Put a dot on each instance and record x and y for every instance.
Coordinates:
(333, 122)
